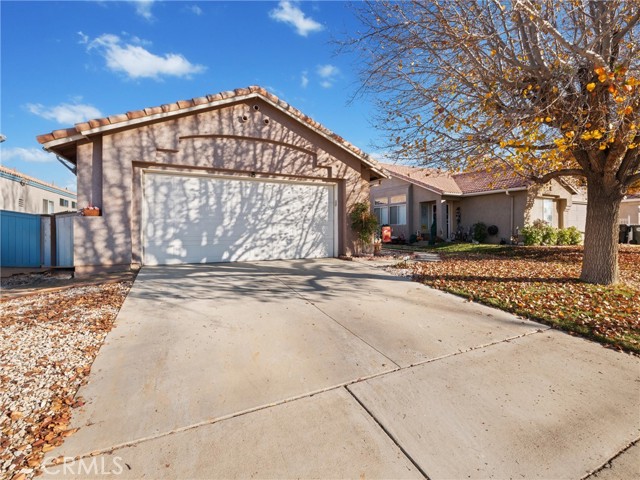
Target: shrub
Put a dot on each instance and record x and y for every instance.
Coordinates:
(363, 222)
(539, 223)
(480, 232)
(575, 236)
(531, 235)
(549, 235)
(493, 230)
(541, 233)
(563, 236)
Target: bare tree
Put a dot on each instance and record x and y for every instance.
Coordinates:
(549, 88)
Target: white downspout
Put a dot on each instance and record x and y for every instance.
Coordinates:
(511, 213)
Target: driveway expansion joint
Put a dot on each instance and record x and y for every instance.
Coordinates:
(51, 461)
(605, 465)
(312, 303)
(474, 348)
(345, 385)
(307, 395)
(388, 434)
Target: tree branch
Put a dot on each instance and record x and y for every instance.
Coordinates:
(545, 26)
(567, 172)
(630, 24)
(632, 179)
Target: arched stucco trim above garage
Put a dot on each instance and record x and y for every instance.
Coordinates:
(247, 135)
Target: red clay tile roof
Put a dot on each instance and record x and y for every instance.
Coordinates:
(252, 91)
(483, 181)
(430, 178)
(460, 183)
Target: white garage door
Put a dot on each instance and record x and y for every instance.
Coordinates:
(199, 219)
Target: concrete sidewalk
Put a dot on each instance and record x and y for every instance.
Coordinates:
(332, 369)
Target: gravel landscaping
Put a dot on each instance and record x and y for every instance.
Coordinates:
(48, 342)
(35, 279)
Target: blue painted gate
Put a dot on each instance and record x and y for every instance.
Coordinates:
(19, 239)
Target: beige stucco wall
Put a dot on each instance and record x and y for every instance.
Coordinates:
(630, 212)
(505, 211)
(269, 144)
(563, 213)
(12, 191)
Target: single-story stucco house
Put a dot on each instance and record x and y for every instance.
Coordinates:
(412, 198)
(236, 176)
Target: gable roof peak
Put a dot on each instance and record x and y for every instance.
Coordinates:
(136, 117)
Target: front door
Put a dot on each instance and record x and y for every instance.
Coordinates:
(447, 221)
(424, 218)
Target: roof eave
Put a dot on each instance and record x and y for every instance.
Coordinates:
(82, 134)
(63, 141)
(417, 183)
(502, 190)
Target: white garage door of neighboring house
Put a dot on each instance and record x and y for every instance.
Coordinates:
(203, 219)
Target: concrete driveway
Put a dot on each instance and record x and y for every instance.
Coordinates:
(333, 369)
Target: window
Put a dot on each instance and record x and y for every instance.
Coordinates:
(74, 204)
(547, 210)
(47, 206)
(398, 214)
(64, 202)
(393, 214)
(21, 202)
(382, 214)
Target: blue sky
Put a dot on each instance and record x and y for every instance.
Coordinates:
(64, 62)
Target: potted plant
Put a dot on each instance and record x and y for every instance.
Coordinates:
(363, 223)
(377, 246)
(90, 211)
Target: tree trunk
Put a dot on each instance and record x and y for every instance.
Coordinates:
(600, 261)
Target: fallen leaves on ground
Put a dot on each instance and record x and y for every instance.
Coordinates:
(48, 342)
(542, 283)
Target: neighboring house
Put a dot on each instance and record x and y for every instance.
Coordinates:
(630, 210)
(237, 176)
(22, 193)
(413, 198)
